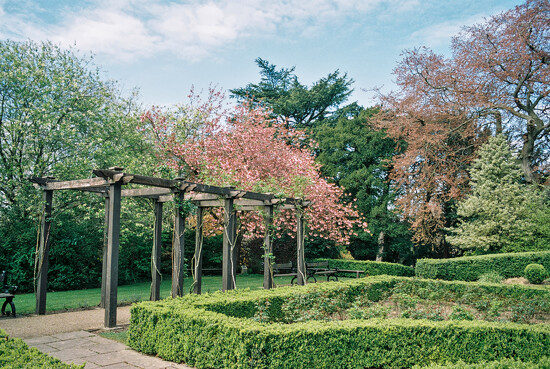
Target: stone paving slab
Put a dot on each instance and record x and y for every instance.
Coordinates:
(81, 347)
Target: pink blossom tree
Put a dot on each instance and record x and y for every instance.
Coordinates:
(245, 147)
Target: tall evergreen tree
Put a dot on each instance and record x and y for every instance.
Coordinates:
(502, 213)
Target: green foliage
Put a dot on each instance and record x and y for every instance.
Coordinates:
(358, 158)
(59, 118)
(543, 363)
(303, 106)
(15, 354)
(470, 268)
(501, 214)
(491, 277)
(370, 267)
(535, 273)
(217, 330)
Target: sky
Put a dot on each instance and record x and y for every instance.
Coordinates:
(163, 47)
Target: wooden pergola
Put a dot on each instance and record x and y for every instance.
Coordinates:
(109, 183)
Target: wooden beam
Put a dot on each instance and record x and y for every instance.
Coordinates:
(146, 192)
(301, 264)
(156, 253)
(105, 247)
(268, 248)
(229, 264)
(90, 184)
(112, 255)
(178, 247)
(43, 254)
(197, 288)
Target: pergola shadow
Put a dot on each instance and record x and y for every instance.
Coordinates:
(109, 182)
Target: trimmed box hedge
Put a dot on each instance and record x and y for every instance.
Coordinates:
(371, 267)
(16, 354)
(469, 268)
(544, 363)
(216, 331)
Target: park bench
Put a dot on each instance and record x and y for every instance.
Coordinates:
(285, 270)
(323, 268)
(7, 292)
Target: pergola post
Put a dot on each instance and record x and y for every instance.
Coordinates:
(105, 245)
(268, 248)
(43, 254)
(178, 246)
(198, 252)
(301, 265)
(113, 243)
(229, 264)
(156, 252)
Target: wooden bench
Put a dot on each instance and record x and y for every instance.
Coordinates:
(7, 292)
(285, 270)
(320, 268)
(323, 268)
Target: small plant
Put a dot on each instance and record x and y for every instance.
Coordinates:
(535, 273)
(460, 313)
(373, 311)
(491, 277)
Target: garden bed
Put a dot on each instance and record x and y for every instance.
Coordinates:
(306, 327)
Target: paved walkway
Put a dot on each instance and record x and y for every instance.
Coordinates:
(70, 337)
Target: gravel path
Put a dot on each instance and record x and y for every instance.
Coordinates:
(50, 324)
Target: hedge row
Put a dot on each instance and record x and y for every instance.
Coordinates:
(469, 268)
(371, 267)
(544, 363)
(15, 354)
(215, 331)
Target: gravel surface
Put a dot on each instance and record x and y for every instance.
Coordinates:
(50, 324)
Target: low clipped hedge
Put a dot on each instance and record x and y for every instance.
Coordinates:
(371, 267)
(469, 268)
(544, 363)
(217, 331)
(16, 354)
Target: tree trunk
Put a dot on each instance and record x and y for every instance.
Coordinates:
(527, 152)
(381, 246)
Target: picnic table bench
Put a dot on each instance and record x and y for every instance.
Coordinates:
(7, 292)
(323, 268)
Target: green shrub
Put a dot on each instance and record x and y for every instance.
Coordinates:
(491, 277)
(543, 363)
(535, 273)
(370, 267)
(218, 330)
(15, 354)
(470, 268)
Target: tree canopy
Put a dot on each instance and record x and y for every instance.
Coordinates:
(301, 106)
(247, 148)
(496, 80)
(501, 213)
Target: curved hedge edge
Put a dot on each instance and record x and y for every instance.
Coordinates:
(371, 267)
(16, 354)
(469, 268)
(195, 331)
(543, 363)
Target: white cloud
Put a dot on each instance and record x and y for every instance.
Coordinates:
(192, 30)
(440, 34)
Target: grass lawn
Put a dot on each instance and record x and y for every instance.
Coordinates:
(67, 300)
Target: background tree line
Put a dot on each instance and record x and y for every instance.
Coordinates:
(417, 166)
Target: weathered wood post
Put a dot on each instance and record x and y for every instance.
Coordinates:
(111, 280)
(198, 252)
(105, 246)
(229, 264)
(268, 248)
(156, 252)
(178, 247)
(301, 264)
(43, 254)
